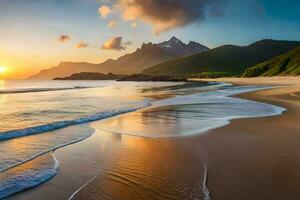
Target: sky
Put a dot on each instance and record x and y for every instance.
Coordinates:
(39, 34)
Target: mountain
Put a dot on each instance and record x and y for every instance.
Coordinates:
(287, 64)
(64, 69)
(178, 48)
(144, 57)
(148, 55)
(228, 60)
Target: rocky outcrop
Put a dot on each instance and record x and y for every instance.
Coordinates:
(144, 77)
(91, 76)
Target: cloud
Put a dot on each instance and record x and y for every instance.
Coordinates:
(164, 15)
(133, 25)
(112, 24)
(115, 44)
(81, 45)
(64, 38)
(104, 11)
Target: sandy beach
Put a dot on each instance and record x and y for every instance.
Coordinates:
(257, 158)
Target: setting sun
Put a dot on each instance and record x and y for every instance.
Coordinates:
(3, 69)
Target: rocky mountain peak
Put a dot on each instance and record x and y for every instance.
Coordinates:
(176, 47)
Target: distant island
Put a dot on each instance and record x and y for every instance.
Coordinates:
(145, 77)
(91, 76)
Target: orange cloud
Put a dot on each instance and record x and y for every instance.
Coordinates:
(81, 45)
(104, 11)
(115, 44)
(64, 38)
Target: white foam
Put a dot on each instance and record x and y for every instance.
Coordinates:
(83, 186)
(10, 182)
(205, 189)
(200, 112)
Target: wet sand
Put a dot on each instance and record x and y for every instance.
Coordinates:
(256, 158)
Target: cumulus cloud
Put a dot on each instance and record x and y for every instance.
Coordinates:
(112, 24)
(81, 45)
(104, 11)
(164, 15)
(64, 38)
(115, 44)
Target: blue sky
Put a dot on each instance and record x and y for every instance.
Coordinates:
(30, 28)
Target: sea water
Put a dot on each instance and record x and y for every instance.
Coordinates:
(30, 111)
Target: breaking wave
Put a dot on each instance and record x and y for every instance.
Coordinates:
(61, 124)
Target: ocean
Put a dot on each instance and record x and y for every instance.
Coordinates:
(34, 114)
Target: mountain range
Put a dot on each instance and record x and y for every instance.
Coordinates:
(148, 55)
(228, 60)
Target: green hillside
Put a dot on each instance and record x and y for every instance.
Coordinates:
(283, 65)
(226, 60)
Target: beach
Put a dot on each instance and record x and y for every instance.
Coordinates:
(253, 158)
(149, 100)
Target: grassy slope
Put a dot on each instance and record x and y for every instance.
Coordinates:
(225, 60)
(286, 64)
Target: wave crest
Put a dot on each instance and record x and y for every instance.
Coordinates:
(61, 124)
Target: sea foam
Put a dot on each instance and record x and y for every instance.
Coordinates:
(196, 113)
(24, 177)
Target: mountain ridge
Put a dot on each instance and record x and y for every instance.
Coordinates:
(227, 60)
(179, 48)
(147, 55)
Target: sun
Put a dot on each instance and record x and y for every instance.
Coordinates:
(3, 69)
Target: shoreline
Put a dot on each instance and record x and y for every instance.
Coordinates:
(193, 152)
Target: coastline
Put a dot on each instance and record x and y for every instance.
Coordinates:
(234, 153)
(265, 165)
